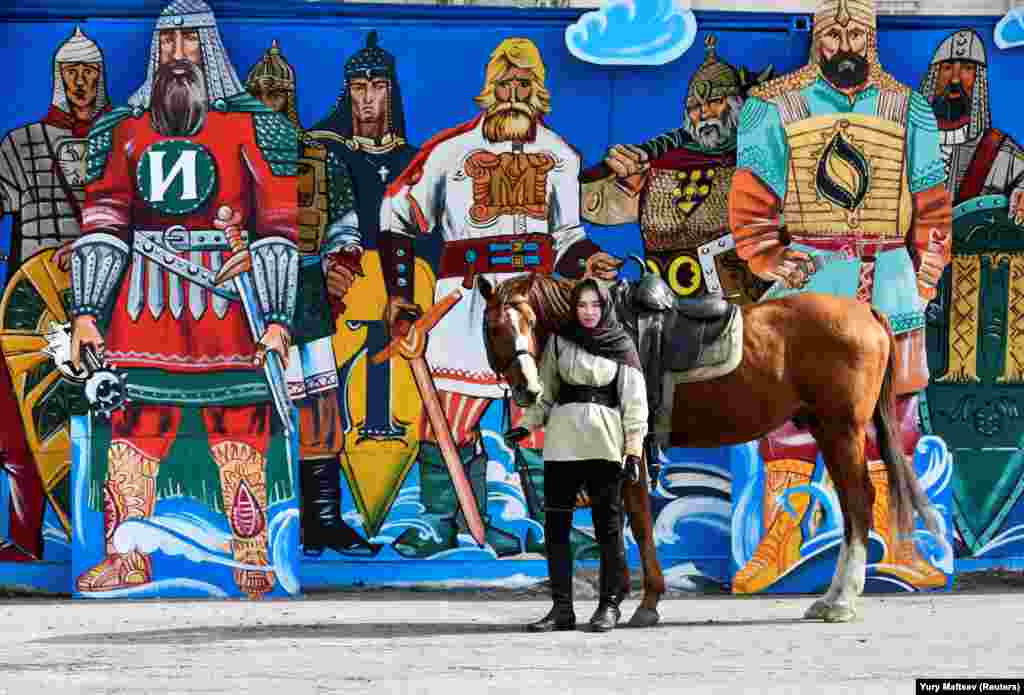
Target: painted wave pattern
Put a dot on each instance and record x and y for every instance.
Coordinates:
(934, 465)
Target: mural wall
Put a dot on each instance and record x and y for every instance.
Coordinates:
(217, 232)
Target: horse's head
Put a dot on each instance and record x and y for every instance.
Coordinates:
(510, 338)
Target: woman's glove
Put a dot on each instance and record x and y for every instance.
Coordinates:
(631, 468)
(516, 435)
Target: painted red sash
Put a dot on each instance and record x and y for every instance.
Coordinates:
(977, 172)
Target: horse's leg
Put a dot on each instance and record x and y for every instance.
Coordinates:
(638, 507)
(842, 447)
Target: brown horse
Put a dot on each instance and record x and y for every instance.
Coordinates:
(825, 362)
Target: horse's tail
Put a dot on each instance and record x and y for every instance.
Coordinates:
(905, 492)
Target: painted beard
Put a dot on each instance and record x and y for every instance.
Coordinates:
(845, 70)
(179, 103)
(715, 133)
(514, 121)
(951, 109)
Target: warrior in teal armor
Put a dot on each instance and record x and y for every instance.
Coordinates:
(840, 188)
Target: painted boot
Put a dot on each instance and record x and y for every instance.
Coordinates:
(901, 557)
(322, 526)
(503, 543)
(244, 486)
(441, 506)
(780, 547)
(129, 493)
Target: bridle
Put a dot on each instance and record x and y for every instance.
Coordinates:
(520, 350)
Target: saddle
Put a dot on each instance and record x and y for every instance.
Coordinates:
(672, 334)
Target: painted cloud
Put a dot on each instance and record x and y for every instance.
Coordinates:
(633, 32)
(1009, 31)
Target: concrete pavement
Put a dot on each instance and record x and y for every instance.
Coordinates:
(425, 642)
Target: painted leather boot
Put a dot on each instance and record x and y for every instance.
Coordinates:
(244, 486)
(129, 493)
(779, 549)
(322, 525)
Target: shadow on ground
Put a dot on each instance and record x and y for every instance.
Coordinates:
(345, 631)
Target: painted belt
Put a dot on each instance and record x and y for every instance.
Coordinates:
(168, 259)
(851, 247)
(497, 254)
(680, 269)
(985, 202)
(180, 240)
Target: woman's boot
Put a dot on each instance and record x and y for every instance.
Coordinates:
(610, 592)
(561, 616)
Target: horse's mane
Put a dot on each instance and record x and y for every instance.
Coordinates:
(547, 295)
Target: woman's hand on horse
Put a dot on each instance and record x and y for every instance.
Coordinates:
(603, 266)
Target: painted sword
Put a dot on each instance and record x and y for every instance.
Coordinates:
(273, 367)
(435, 413)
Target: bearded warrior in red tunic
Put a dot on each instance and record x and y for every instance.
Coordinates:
(173, 184)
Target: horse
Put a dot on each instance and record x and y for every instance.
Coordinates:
(822, 361)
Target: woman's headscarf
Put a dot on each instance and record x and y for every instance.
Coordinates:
(608, 338)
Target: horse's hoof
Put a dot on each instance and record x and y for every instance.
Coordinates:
(840, 613)
(644, 617)
(817, 610)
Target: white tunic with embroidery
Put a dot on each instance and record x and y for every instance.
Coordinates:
(583, 431)
(472, 188)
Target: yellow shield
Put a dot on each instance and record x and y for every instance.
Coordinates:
(33, 314)
(383, 409)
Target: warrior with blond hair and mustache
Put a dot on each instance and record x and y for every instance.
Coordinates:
(504, 191)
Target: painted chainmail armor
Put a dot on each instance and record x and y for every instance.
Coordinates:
(221, 79)
(960, 146)
(42, 163)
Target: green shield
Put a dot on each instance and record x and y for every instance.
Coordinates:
(975, 338)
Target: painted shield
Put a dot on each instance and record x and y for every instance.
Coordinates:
(382, 410)
(36, 340)
(975, 336)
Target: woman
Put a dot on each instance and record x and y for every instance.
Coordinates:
(594, 408)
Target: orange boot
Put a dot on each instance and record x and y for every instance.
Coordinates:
(780, 547)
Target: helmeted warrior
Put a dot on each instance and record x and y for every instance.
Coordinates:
(504, 191)
(980, 160)
(195, 176)
(42, 171)
(676, 185)
(42, 166)
(366, 131)
(272, 81)
(977, 361)
(330, 246)
(850, 158)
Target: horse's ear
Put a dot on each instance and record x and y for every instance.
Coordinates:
(485, 286)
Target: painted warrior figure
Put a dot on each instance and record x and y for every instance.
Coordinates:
(850, 158)
(366, 131)
(676, 186)
(42, 171)
(977, 355)
(504, 190)
(195, 170)
(330, 251)
(980, 160)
